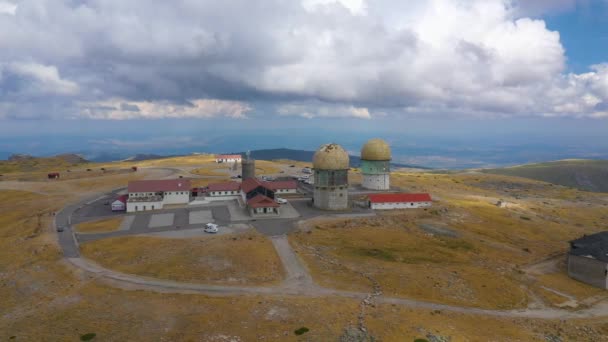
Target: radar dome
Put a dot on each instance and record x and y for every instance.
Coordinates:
(331, 157)
(376, 150)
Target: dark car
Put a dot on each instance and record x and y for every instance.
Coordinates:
(60, 229)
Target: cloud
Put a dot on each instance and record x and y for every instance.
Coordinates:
(7, 8)
(348, 58)
(120, 110)
(310, 111)
(44, 78)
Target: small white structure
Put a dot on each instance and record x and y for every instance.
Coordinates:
(228, 158)
(120, 204)
(154, 194)
(399, 201)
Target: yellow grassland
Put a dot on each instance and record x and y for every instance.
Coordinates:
(233, 259)
(44, 298)
(99, 226)
(487, 258)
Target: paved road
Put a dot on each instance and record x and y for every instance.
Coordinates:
(297, 274)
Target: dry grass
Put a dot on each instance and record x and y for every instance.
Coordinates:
(101, 226)
(212, 171)
(486, 260)
(247, 258)
(201, 182)
(37, 286)
(263, 167)
(409, 263)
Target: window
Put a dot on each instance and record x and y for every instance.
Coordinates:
(135, 208)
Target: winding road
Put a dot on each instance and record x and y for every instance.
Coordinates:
(297, 283)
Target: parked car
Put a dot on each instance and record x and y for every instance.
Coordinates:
(280, 200)
(60, 229)
(211, 228)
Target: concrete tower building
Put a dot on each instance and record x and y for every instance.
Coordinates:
(331, 164)
(248, 167)
(375, 165)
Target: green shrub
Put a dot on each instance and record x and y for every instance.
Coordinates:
(301, 331)
(88, 337)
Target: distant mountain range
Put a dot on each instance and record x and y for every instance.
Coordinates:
(305, 156)
(582, 174)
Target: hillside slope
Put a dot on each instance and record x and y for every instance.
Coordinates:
(588, 175)
(25, 163)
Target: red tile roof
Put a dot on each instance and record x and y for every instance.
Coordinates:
(399, 198)
(250, 184)
(228, 156)
(291, 184)
(225, 186)
(261, 201)
(181, 184)
(122, 198)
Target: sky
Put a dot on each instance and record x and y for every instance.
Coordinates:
(449, 83)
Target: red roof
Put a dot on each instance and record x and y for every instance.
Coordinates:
(181, 184)
(250, 184)
(261, 201)
(399, 198)
(225, 186)
(122, 198)
(228, 156)
(291, 184)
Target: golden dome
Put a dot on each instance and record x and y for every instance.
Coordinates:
(331, 157)
(376, 149)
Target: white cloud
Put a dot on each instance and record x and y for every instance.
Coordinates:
(346, 57)
(46, 78)
(202, 108)
(323, 111)
(8, 8)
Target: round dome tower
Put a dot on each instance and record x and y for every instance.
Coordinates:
(330, 157)
(331, 164)
(375, 164)
(376, 149)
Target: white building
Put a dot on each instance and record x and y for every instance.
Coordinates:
(154, 194)
(225, 189)
(228, 158)
(399, 201)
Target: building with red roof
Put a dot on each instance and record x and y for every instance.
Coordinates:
(399, 201)
(227, 158)
(261, 205)
(154, 194)
(120, 203)
(259, 196)
(224, 189)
